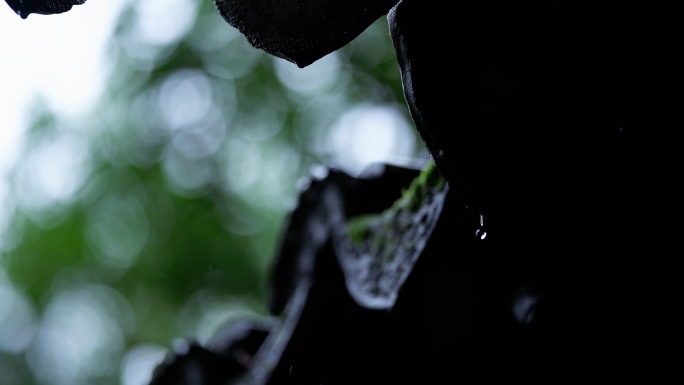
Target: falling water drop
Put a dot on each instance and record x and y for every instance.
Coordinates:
(481, 232)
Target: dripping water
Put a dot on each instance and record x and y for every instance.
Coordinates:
(481, 232)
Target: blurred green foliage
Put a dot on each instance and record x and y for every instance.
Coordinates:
(156, 219)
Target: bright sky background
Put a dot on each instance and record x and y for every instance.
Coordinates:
(58, 56)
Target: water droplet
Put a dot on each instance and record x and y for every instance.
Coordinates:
(481, 232)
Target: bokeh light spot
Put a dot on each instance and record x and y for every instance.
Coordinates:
(164, 21)
(51, 174)
(313, 80)
(78, 338)
(371, 133)
(187, 176)
(118, 230)
(17, 319)
(139, 362)
(185, 98)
